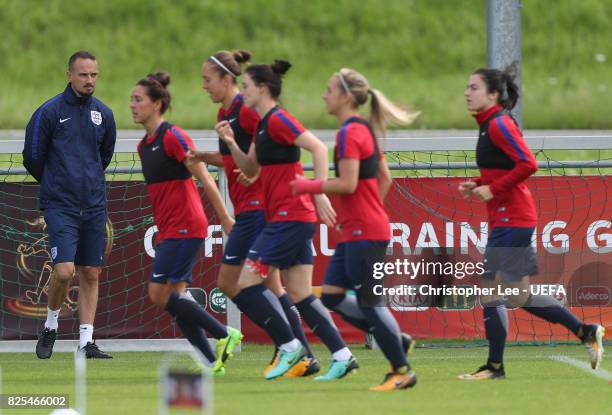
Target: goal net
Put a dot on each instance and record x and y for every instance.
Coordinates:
(430, 224)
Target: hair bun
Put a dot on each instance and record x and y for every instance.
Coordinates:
(162, 77)
(280, 67)
(242, 56)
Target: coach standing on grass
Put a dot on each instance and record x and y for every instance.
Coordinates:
(69, 142)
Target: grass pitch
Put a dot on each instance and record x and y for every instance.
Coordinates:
(535, 384)
(418, 52)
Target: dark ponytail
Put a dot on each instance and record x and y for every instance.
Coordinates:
(503, 83)
(242, 56)
(280, 67)
(512, 91)
(156, 88)
(270, 75)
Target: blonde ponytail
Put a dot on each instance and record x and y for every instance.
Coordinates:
(382, 110)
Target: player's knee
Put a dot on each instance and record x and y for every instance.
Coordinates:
(158, 300)
(63, 278)
(366, 298)
(157, 295)
(227, 281)
(248, 279)
(229, 288)
(298, 293)
(332, 300)
(63, 272)
(275, 286)
(518, 300)
(89, 274)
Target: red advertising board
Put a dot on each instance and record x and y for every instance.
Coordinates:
(430, 223)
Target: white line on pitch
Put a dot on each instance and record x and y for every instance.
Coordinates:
(599, 373)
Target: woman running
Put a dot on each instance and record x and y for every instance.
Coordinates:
(179, 215)
(285, 242)
(505, 163)
(220, 74)
(362, 182)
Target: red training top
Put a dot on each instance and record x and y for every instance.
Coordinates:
(243, 121)
(177, 207)
(505, 162)
(279, 159)
(361, 215)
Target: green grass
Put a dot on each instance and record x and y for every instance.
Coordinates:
(419, 52)
(534, 385)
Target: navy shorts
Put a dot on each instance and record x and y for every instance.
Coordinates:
(244, 232)
(510, 253)
(283, 245)
(352, 267)
(174, 259)
(76, 236)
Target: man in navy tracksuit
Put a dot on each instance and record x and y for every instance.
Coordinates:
(69, 143)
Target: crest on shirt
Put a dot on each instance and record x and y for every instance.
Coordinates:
(96, 117)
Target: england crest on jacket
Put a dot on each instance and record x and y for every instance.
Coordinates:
(96, 117)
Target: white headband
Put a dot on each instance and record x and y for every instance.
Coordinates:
(222, 66)
(345, 86)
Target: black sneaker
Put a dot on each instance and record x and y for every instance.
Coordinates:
(92, 351)
(408, 343)
(44, 346)
(485, 372)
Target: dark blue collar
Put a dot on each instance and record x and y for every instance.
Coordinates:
(351, 119)
(71, 97)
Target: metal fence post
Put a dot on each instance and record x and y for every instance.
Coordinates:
(504, 41)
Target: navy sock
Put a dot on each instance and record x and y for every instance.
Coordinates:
(320, 322)
(184, 307)
(496, 329)
(239, 301)
(258, 303)
(348, 308)
(387, 334)
(196, 337)
(293, 315)
(548, 308)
